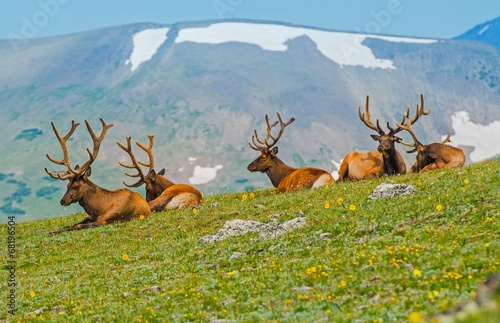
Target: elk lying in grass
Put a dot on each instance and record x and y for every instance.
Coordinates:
(161, 193)
(386, 160)
(432, 156)
(101, 205)
(283, 177)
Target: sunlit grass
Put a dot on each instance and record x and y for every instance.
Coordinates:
(356, 259)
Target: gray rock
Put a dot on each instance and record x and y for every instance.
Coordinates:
(387, 190)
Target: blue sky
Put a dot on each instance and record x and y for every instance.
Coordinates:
(415, 18)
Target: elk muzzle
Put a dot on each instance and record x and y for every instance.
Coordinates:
(251, 167)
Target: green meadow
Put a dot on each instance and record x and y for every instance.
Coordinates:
(355, 259)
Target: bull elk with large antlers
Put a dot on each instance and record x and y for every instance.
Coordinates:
(283, 177)
(161, 194)
(102, 206)
(386, 160)
(432, 156)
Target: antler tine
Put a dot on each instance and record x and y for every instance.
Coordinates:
(97, 143)
(447, 139)
(261, 145)
(419, 111)
(134, 164)
(283, 125)
(65, 160)
(394, 131)
(367, 118)
(407, 126)
(149, 151)
(256, 146)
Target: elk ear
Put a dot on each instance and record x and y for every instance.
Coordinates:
(274, 152)
(152, 175)
(375, 137)
(162, 172)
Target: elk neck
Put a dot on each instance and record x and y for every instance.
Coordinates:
(391, 161)
(278, 171)
(163, 182)
(95, 199)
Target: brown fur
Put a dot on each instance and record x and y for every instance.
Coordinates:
(177, 196)
(286, 178)
(358, 166)
(437, 155)
(101, 205)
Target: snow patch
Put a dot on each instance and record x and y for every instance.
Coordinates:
(346, 49)
(203, 175)
(484, 138)
(483, 29)
(146, 44)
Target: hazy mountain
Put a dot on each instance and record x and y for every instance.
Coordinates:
(201, 89)
(488, 32)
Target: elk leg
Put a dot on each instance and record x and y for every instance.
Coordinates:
(87, 222)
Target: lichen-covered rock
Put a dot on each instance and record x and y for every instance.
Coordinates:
(269, 229)
(387, 190)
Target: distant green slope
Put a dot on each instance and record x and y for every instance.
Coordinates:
(355, 259)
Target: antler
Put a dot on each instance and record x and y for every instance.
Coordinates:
(367, 118)
(97, 143)
(447, 139)
(407, 126)
(65, 160)
(135, 163)
(264, 145)
(407, 122)
(70, 172)
(392, 131)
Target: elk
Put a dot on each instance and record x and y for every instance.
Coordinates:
(283, 177)
(101, 205)
(161, 194)
(432, 156)
(386, 160)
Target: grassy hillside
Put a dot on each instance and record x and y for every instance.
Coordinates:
(354, 260)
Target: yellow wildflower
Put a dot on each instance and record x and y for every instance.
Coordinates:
(252, 195)
(340, 201)
(244, 198)
(32, 294)
(439, 207)
(125, 256)
(195, 210)
(141, 217)
(327, 205)
(466, 181)
(415, 317)
(417, 273)
(352, 207)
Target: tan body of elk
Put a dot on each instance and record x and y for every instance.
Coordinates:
(433, 156)
(161, 193)
(102, 206)
(283, 177)
(386, 160)
(358, 166)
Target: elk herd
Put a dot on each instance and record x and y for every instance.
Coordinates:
(104, 206)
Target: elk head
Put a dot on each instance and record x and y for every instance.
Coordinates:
(393, 162)
(78, 176)
(268, 153)
(155, 182)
